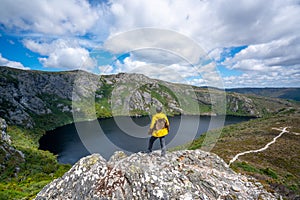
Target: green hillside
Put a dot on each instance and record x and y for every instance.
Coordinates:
(278, 167)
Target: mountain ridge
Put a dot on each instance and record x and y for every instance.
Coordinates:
(291, 93)
(47, 99)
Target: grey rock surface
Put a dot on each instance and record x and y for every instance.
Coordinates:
(4, 136)
(179, 175)
(9, 156)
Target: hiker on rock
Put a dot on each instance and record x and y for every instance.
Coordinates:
(159, 128)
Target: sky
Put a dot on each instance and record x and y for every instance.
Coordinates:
(246, 43)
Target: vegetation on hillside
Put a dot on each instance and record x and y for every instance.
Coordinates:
(40, 167)
(278, 167)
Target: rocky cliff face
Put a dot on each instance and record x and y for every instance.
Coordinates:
(10, 158)
(179, 175)
(25, 94)
(29, 98)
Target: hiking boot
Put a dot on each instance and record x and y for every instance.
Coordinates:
(163, 152)
(148, 151)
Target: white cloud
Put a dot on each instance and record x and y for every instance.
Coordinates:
(172, 73)
(106, 69)
(269, 28)
(197, 81)
(9, 63)
(48, 17)
(212, 23)
(149, 38)
(64, 54)
(180, 73)
(69, 58)
(274, 64)
(280, 52)
(160, 56)
(279, 78)
(215, 54)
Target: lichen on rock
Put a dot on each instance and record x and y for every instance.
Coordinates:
(180, 175)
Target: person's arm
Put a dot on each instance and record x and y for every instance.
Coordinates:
(151, 126)
(167, 124)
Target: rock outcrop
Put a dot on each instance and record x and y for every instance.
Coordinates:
(9, 156)
(180, 175)
(4, 137)
(25, 94)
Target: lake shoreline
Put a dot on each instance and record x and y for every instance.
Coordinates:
(137, 116)
(133, 130)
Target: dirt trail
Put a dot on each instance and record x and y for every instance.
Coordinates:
(262, 149)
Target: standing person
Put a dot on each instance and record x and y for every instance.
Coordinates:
(159, 128)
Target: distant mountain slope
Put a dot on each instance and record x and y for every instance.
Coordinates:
(284, 93)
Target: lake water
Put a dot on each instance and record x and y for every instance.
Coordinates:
(105, 136)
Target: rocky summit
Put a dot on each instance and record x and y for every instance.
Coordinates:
(184, 174)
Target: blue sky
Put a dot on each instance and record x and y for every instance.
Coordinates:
(245, 43)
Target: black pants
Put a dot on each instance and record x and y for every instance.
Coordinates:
(162, 144)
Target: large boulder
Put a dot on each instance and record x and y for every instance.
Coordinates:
(179, 175)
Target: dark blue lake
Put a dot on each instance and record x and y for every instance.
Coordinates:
(105, 136)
